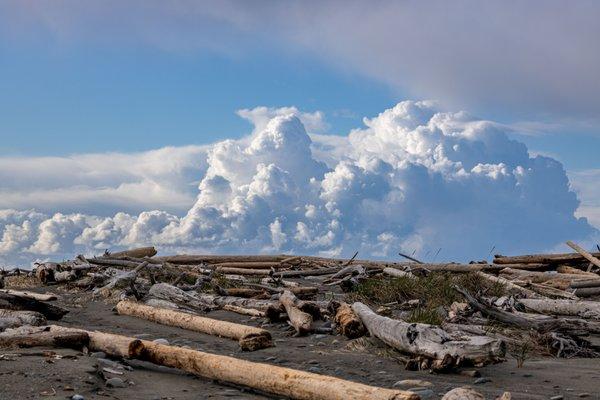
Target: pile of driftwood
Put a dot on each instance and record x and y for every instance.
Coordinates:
(542, 296)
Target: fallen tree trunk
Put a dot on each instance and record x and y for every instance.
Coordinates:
(249, 338)
(13, 302)
(243, 271)
(28, 336)
(170, 293)
(509, 285)
(540, 277)
(583, 309)
(563, 258)
(140, 252)
(310, 272)
(31, 295)
(430, 341)
(280, 381)
(397, 273)
(300, 320)
(587, 292)
(214, 259)
(585, 283)
(565, 269)
(593, 260)
(347, 322)
(251, 264)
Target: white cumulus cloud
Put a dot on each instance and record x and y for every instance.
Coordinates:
(414, 178)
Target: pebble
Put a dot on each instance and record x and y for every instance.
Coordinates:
(480, 381)
(559, 397)
(116, 382)
(316, 370)
(412, 383)
(161, 341)
(77, 397)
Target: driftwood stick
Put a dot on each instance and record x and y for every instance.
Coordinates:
(249, 337)
(398, 273)
(593, 260)
(410, 258)
(244, 311)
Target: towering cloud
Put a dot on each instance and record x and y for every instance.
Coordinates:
(414, 179)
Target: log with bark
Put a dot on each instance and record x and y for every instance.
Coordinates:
(13, 302)
(300, 320)
(249, 338)
(346, 321)
(442, 351)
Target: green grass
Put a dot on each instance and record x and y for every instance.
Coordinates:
(434, 290)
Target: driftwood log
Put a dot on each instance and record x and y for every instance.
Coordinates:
(249, 337)
(29, 336)
(563, 258)
(431, 342)
(14, 302)
(300, 320)
(347, 322)
(509, 285)
(280, 381)
(591, 258)
(31, 295)
(14, 319)
(583, 309)
(136, 253)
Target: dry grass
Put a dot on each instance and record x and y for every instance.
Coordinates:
(433, 291)
(21, 282)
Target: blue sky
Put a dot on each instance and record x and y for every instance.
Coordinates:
(113, 116)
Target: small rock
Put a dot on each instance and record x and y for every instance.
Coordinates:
(116, 383)
(412, 383)
(480, 381)
(77, 397)
(161, 341)
(423, 393)
(559, 397)
(315, 370)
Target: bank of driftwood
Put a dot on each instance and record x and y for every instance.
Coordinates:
(549, 294)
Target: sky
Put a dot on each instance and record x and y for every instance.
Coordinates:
(111, 110)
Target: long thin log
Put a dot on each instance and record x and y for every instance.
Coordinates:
(138, 253)
(311, 272)
(593, 260)
(214, 259)
(563, 258)
(565, 269)
(249, 337)
(509, 285)
(28, 336)
(13, 302)
(300, 320)
(430, 341)
(244, 311)
(280, 381)
(585, 283)
(539, 277)
(587, 292)
(251, 264)
(31, 295)
(583, 309)
(244, 271)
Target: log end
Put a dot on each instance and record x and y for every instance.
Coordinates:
(256, 342)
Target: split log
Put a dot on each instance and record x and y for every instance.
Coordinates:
(249, 337)
(28, 336)
(244, 311)
(593, 260)
(14, 319)
(13, 302)
(137, 253)
(300, 320)
(563, 258)
(348, 323)
(509, 285)
(430, 341)
(31, 295)
(583, 309)
(273, 379)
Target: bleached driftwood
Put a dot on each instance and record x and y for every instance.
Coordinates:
(244, 311)
(563, 258)
(430, 341)
(30, 336)
(249, 337)
(31, 295)
(583, 309)
(509, 285)
(591, 258)
(397, 273)
(300, 320)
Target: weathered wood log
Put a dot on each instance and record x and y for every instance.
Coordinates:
(140, 252)
(244, 311)
(280, 381)
(453, 267)
(347, 322)
(431, 341)
(585, 283)
(244, 271)
(14, 319)
(297, 290)
(115, 262)
(587, 292)
(249, 337)
(583, 309)
(563, 258)
(28, 336)
(300, 320)
(251, 264)
(593, 260)
(311, 272)
(539, 277)
(164, 291)
(122, 280)
(397, 273)
(13, 302)
(240, 292)
(565, 269)
(550, 292)
(509, 285)
(31, 295)
(214, 259)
